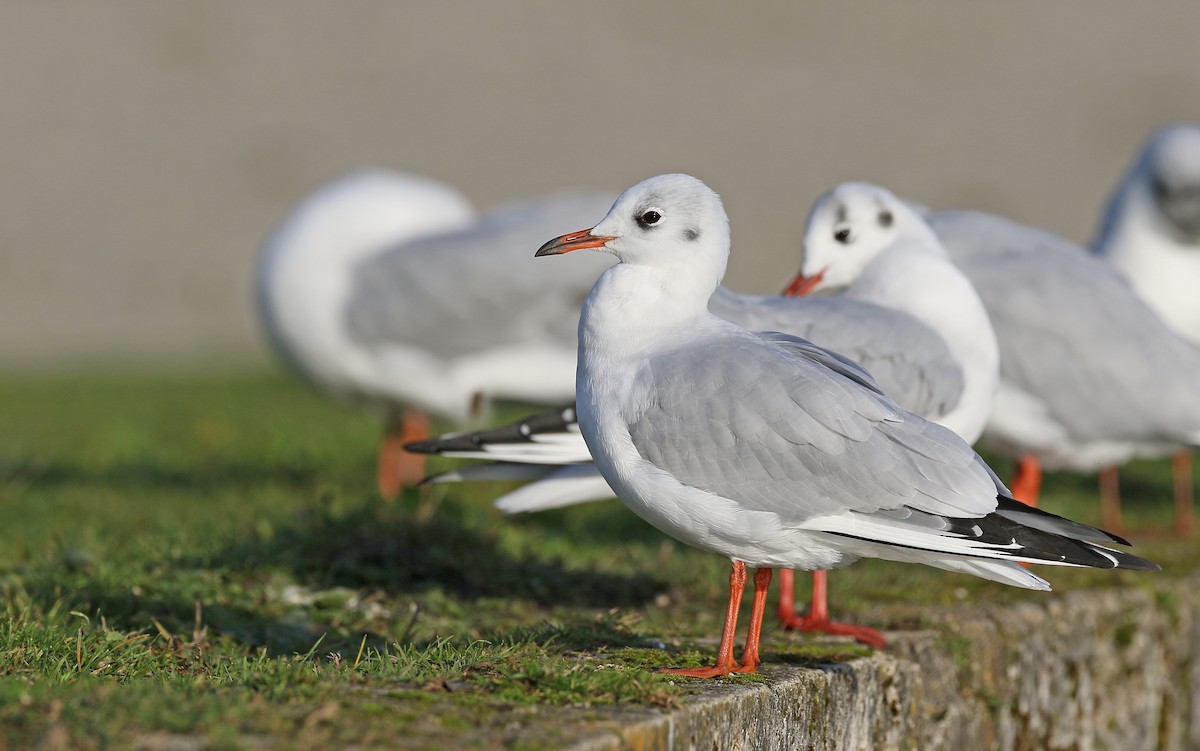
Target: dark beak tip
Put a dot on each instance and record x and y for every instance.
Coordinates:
(581, 240)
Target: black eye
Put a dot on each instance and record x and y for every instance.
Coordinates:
(649, 217)
(842, 236)
(885, 218)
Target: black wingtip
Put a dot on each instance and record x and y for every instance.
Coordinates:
(1033, 535)
(444, 443)
(1129, 560)
(422, 447)
(1117, 538)
(550, 421)
(1007, 506)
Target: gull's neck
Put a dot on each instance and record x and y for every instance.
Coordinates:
(917, 278)
(1131, 225)
(1137, 242)
(635, 308)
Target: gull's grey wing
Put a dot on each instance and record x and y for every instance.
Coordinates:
(778, 424)
(1072, 332)
(911, 363)
(480, 284)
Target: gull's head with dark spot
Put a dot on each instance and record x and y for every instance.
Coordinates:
(1170, 171)
(847, 228)
(670, 221)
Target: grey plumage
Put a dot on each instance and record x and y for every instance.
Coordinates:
(789, 433)
(413, 294)
(912, 364)
(1072, 331)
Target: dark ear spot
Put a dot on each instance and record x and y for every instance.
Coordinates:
(691, 234)
(885, 218)
(1160, 188)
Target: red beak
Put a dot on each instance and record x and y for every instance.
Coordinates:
(802, 285)
(572, 241)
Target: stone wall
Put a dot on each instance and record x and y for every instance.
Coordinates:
(1110, 669)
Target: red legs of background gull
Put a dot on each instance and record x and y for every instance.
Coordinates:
(818, 612)
(725, 664)
(1026, 487)
(1185, 514)
(1181, 475)
(1110, 500)
(398, 468)
(1027, 484)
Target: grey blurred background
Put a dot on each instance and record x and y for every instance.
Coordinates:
(148, 147)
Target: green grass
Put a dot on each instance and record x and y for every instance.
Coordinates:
(206, 557)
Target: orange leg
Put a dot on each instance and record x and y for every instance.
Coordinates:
(786, 611)
(1110, 501)
(750, 659)
(725, 664)
(1185, 513)
(398, 468)
(818, 613)
(1027, 485)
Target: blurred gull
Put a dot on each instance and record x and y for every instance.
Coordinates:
(763, 447)
(1090, 376)
(381, 290)
(1151, 234)
(1151, 230)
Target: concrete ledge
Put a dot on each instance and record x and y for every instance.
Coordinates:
(1109, 669)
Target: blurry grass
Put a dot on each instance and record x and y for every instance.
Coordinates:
(205, 556)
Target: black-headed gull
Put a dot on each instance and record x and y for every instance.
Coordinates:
(383, 289)
(865, 244)
(1151, 234)
(763, 447)
(905, 313)
(1151, 228)
(1090, 376)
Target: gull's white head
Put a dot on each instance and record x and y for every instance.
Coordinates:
(672, 222)
(1169, 171)
(847, 228)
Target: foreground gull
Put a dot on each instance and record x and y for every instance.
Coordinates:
(906, 314)
(382, 290)
(1151, 234)
(765, 448)
(1090, 376)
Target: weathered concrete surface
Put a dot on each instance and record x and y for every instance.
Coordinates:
(1112, 669)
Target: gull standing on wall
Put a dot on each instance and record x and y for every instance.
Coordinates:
(904, 313)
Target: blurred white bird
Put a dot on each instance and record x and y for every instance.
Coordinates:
(1090, 376)
(1151, 234)
(381, 289)
(763, 447)
(1151, 228)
